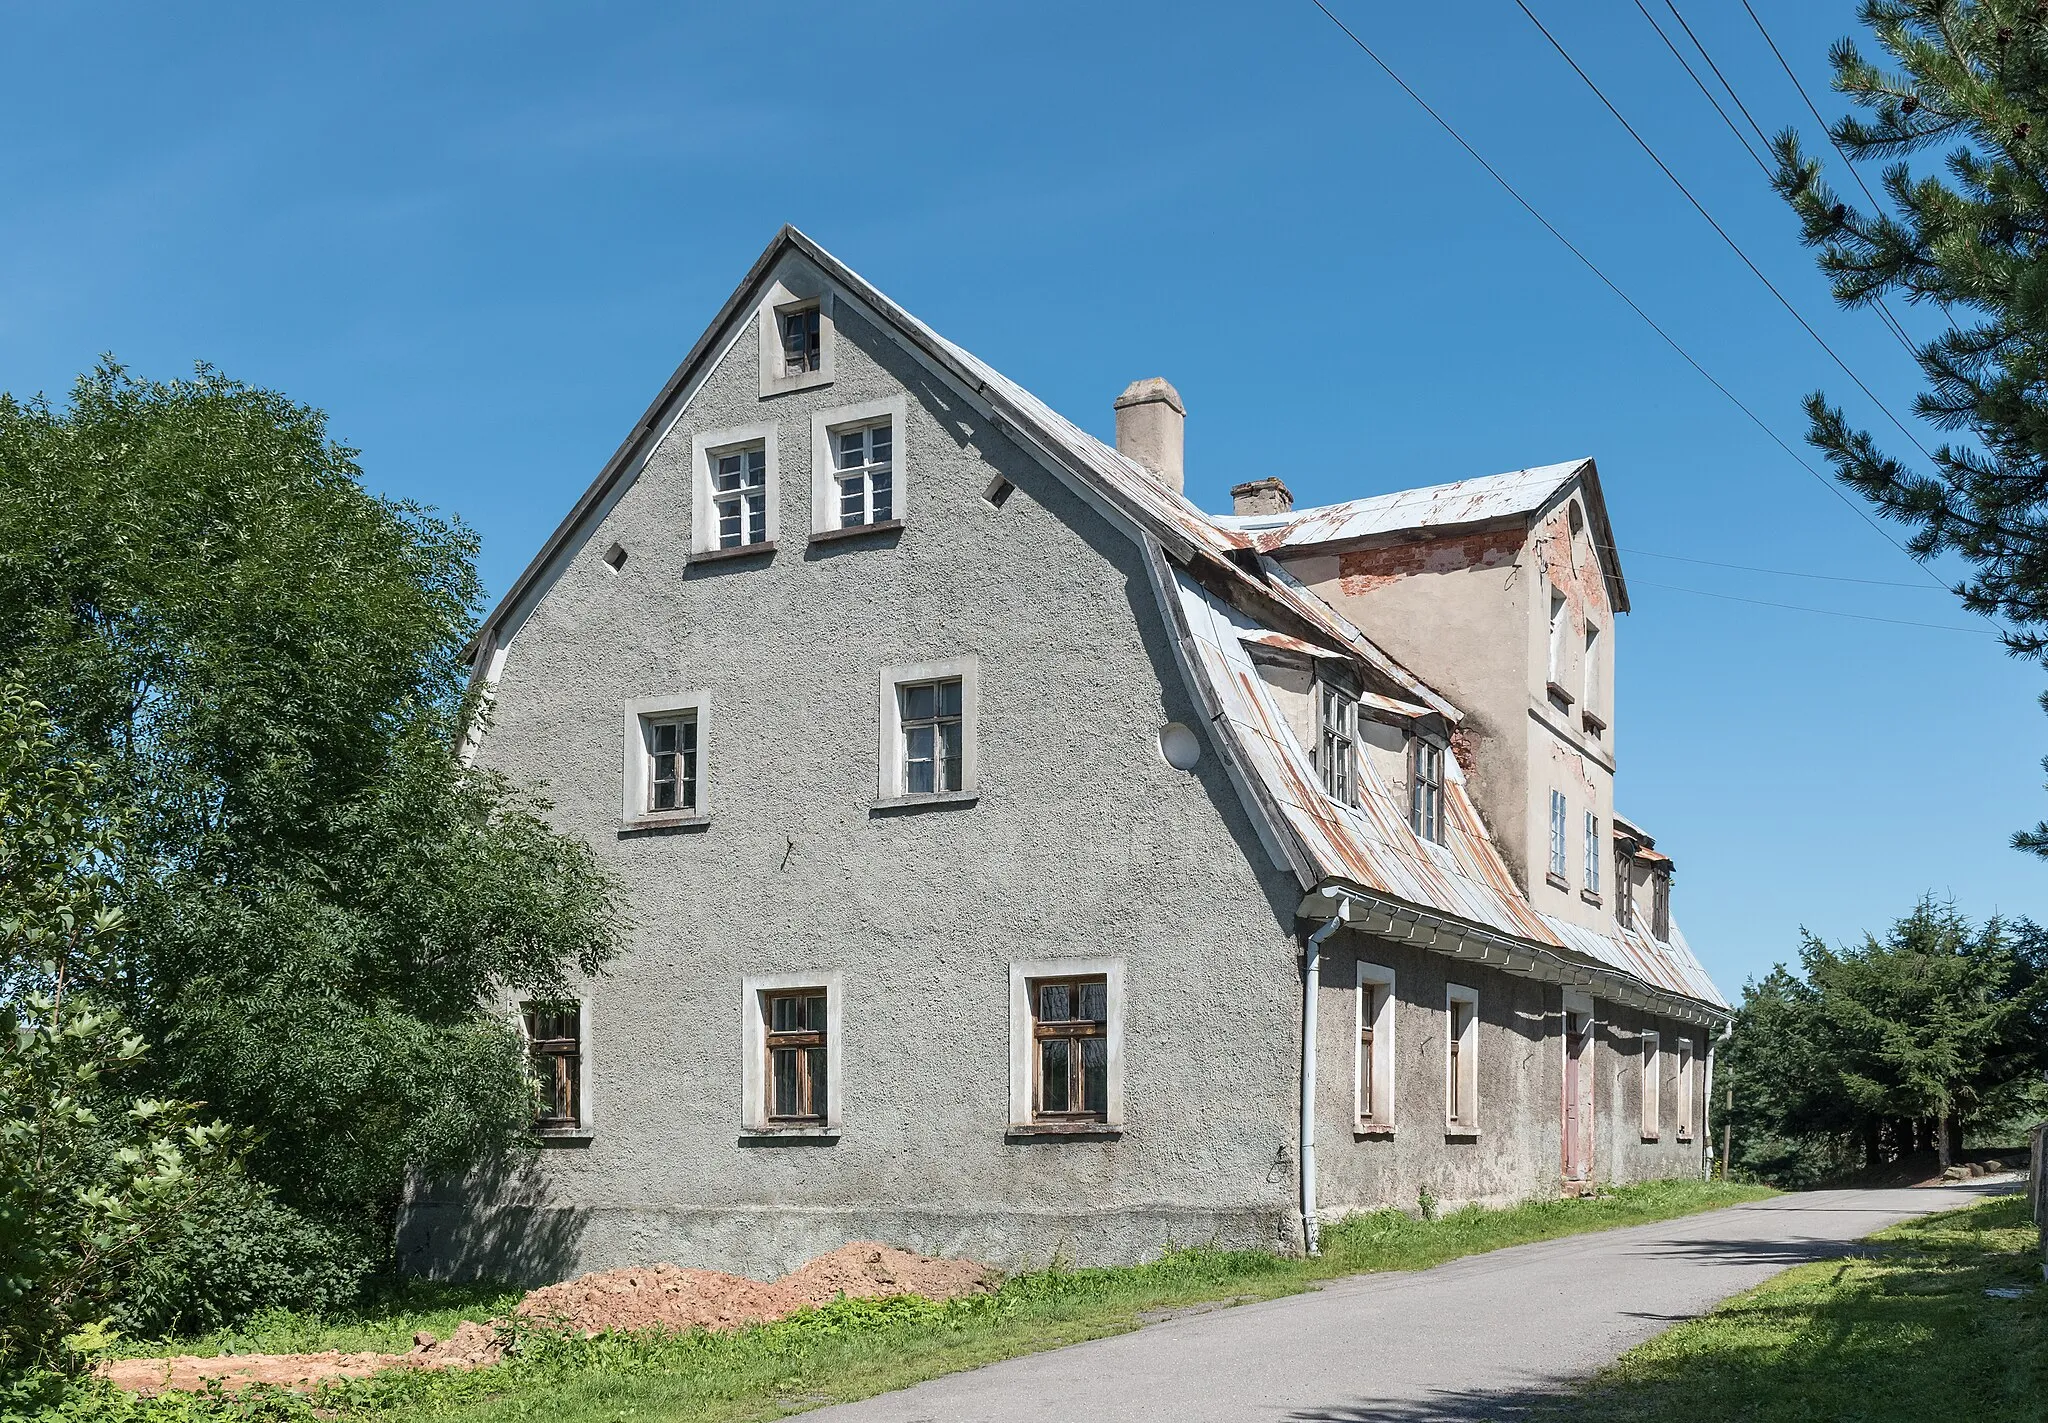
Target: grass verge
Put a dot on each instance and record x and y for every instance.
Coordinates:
(855, 1348)
(1902, 1333)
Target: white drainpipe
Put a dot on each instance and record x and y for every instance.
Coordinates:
(1312, 980)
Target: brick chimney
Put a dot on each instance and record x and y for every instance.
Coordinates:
(1150, 424)
(1262, 496)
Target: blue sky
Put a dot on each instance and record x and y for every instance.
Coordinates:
(480, 237)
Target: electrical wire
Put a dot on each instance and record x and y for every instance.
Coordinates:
(1762, 137)
(1777, 572)
(1701, 84)
(1824, 612)
(1722, 232)
(1608, 282)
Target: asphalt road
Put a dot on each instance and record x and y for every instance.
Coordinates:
(1481, 1337)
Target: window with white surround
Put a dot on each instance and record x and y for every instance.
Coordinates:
(737, 490)
(1557, 627)
(1653, 1086)
(791, 1037)
(556, 1034)
(1559, 813)
(1373, 1105)
(1590, 685)
(1066, 1046)
(1461, 1059)
(797, 334)
(665, 759)
(1426, 795)
(1592, 853)
(857, 465)
(1336, 751)
(930, 716)
(1685, 1089)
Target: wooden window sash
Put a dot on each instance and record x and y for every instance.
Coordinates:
(682, 780)
(949, 772)
(810, 1091)
(556, 1060)
(802, 344)
(1072, 1031)
(739, 497)
(867, 487)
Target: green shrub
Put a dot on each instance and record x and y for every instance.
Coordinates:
(238, 1252)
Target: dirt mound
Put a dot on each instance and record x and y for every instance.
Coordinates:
(658, 1297)
(471, 1346)
(866, 1269)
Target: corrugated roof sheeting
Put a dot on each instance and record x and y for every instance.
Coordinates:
(1464, 501)
(1372, 845)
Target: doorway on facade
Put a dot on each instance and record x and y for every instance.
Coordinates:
(1578, 1093)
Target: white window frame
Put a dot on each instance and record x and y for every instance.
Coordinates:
(754, 1047)
(1466, 1061)
(1593, 856)
(1428, 827)
(889, 786)
(1342, 737)
(797, 290)
(1652, 1086)
(635, 772)
(586, 1115)
(1560, 817)
(1375, 1005)
(704, 511)
(825, 424)
(1685, 1087)
(1111, 971)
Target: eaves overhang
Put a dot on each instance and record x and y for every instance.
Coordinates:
(1384, 917)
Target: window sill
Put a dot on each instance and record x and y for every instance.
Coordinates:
(1558, 694)
(769, 1135)
(1653, 1136)
(565, 1136)
(1591, 897)
(681, 820)
(1461, 1133)
(854, 531)
(1558, 882)
(1685, 1136)
(1099, 1130)
(1590, 724)
(1373, 1131)
(918, 802)
(714, 555)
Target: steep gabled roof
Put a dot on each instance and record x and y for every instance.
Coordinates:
(1216, 587)
(1520, 493)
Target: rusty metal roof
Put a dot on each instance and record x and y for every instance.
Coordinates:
(1372, 844)
(1464, 501)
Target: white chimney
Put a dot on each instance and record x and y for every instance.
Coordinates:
(1150, 424)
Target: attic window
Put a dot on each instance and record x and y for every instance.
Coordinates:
(1426, 802)
(1336, 743)
(1660, 904)
(802, 345)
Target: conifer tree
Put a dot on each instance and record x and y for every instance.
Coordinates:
(1962, 89)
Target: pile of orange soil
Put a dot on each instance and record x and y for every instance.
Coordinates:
(666, 1297)
(470, 1346)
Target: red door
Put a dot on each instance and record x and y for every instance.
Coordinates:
(1578, 1099)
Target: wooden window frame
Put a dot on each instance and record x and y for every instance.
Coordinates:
(639, 716)
(686, 756)
(1336, 749)
(1624, 889)
(1660, 904)
(811, 1102)
(806, 355)
(1559, 866)
(557, 1062)
(707, 506)
(1024, 1041)
(1069, 1030)
(943, 783)
(1593, 855)
(874, 507)
(757, 1077)
(892, 769)
(1687, 1086)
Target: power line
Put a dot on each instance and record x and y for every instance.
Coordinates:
(1824, 612)
(1778, 572)
(1762, 137)
(1701, 84)
(1608, 282)
(1722, 232)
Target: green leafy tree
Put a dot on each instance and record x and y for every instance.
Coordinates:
(270, 663)
(1879, 1048)
(1965, 84)
(88, 1177)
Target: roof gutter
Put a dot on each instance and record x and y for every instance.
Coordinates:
(1385, 917)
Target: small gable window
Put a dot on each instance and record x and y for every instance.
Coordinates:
(802, 344)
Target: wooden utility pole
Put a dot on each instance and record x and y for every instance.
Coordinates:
(1727, 1133)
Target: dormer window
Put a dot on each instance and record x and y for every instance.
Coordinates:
(802, 344)
(1426, 798)
(1660, 904)
(1336, 752)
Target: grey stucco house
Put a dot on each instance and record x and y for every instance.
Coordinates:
(1014, 848)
